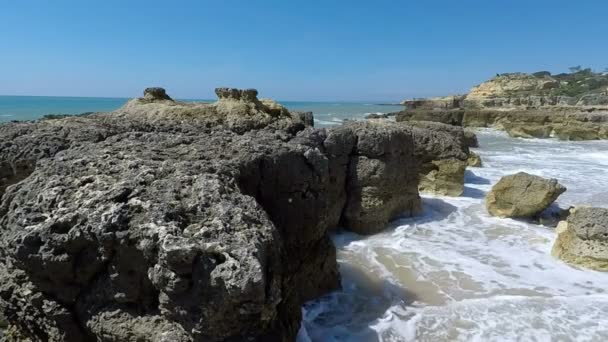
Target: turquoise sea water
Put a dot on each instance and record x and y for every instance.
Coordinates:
(34, 107)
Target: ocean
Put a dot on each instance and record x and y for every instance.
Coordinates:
(34, 107)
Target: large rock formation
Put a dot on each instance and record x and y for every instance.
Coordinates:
(522, 195)
(382, 175)
(567, 106)
(442, 153)
(169, 221)
(582, 239)
(445, 102)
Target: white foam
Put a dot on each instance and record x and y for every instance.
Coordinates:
(455, 273)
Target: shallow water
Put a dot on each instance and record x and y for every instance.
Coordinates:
(34, 107)
(456, 274)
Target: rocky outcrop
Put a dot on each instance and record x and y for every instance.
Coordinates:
(445, 116)
(564, 123)
(517, 89)
(446, 102)
(582, 239)
(382, 175)
(522, 195)
(156, 94)
(567, 106)
(169, 221)
(442, 154)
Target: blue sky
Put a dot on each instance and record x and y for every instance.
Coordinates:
(290, 49)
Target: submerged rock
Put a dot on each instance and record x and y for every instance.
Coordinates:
(522, 195)
(582, 239)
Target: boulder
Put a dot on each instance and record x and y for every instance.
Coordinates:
(582, 239)
(522, 195)
(382, 175)
(155, 94)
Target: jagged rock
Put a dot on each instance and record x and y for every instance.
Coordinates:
(146, 235)
(536, 105)
(522, 195)
(306, 117)
(498, 91)
(166, 221)
(456, 132)
(474, 160)
(582, 239)
(156, 94)
(382, 175)
(442, 156)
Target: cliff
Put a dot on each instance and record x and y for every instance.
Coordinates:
(568, 106)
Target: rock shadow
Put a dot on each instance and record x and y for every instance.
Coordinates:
(471, 178)
(473, 192)
(348, 314)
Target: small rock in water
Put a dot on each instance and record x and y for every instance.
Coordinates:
(522, 195)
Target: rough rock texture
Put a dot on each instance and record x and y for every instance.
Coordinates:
(564, 123)
(156, 94)
(442, 155)
(499, 90)
(382, 175)
(582, 239)
(166, 221)
(567, 106)
(522, 195)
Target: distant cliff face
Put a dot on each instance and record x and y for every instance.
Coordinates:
(583, 88)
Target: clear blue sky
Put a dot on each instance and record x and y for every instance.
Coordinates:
(290, 49)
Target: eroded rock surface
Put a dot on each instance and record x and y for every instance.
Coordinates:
(582, 239)
(442, 153)
(566, 106)
(522, 195)
(169, 221)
